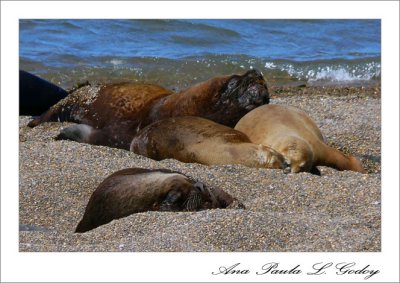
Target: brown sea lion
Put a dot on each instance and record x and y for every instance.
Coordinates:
(136, 190)
(294, 134)
(112, 114)
(197, 140)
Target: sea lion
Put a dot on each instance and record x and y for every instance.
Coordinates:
(112, 114)
(294, 134)
(195, 139)
(136, 190)
(37, 95)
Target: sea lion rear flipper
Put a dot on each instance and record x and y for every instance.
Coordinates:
(334, 158)
(84, 133)
(36, 121)
(54, 114)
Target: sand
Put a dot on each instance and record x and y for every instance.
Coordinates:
(337, 211)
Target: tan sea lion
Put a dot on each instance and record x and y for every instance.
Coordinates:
(197, 140)
(136, 190)
(294, 134)
(112, 114)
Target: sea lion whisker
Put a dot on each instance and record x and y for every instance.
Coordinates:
(193, 203)
(185, 203)
(188, 204)
(194, 200)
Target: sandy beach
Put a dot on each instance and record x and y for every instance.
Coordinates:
(335, 212)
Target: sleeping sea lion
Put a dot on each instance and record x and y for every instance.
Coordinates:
(195, 139)
(291, 132)
(136, 190)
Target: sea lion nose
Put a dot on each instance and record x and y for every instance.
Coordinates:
(255, 74)
(200, 186)
(286, 167)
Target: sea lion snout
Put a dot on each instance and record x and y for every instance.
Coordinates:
(286, 167)
(278, 161)
(208, 198)
(188, 195)
(255, 90)
(270, 158)
(214, 197)
(200, 186)
(250, 89)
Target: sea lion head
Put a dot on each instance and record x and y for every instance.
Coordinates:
(239, 94)
(298, 155)
(187, 195)
(270, 158)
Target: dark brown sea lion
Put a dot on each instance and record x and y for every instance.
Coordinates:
(195, 139)
(294, 134)
(37, 95)
(136, 190)
(112, 114)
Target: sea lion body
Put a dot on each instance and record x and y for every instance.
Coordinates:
(36, 95)
(136, 190)
(194, 139)
(106, 111)
(113, 114)
(291, 132)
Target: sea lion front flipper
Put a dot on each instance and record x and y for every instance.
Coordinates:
(314, 170)
(236, 204)
(78, 133)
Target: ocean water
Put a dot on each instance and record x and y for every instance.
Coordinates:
(178, 53)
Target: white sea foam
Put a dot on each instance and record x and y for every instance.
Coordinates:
(116, 62)
(344, 73)
(321, 72)
(270, 65)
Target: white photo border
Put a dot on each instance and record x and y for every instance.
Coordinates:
(180, 267)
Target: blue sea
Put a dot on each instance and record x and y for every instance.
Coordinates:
(178, 53)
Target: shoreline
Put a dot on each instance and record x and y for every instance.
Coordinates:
(68, 79)
(335, 212)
